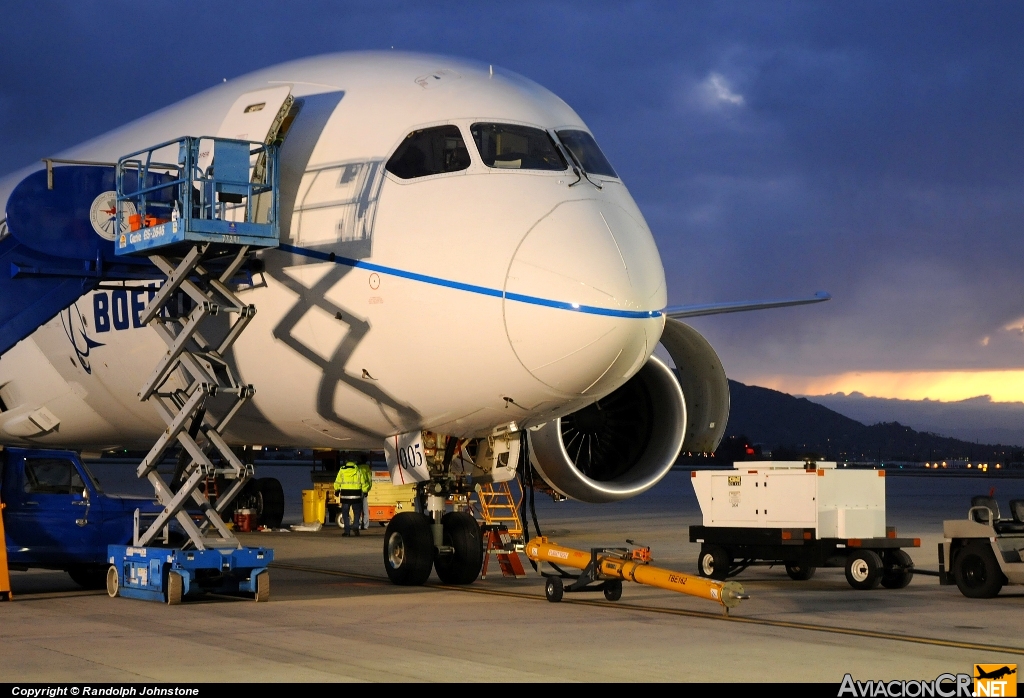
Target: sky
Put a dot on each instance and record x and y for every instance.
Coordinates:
(871, 149)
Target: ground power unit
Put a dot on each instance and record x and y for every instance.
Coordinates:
(801, 515)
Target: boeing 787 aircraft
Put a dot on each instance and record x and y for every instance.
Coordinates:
(459, 265)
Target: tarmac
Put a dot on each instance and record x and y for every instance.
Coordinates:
(333, 616)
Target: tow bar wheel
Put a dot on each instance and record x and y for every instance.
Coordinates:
(553, 589)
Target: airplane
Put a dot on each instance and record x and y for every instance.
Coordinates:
(995, 673)
(459, 266)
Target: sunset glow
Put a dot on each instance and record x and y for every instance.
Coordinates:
(1002, 386)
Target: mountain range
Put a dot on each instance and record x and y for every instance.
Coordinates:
(791, 427)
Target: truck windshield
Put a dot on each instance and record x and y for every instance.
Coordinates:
(584, 148)
(510, 147)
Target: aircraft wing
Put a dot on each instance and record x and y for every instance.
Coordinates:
(683, 311)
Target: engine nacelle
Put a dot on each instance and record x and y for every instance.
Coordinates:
(626, 442)
(702, 378)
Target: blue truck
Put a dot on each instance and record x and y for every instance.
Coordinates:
(58, 517)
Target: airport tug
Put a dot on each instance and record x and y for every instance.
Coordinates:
(603, 569)
(984, 551)
(803, 515)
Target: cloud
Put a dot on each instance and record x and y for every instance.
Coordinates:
(715, 91)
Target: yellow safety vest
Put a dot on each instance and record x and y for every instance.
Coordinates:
(349, 481)
(367, 477)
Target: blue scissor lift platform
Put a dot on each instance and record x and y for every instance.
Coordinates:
(197, 208)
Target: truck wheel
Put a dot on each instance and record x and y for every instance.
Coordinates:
(613, 590)
(89, 576)
(272, 497)
(462, 532)
(112, 582)
(408, 549)
(799, 571)
(175, 586)
(899, 569)
(714, 562)
(339, 519)
(864, 569)
(977, 572)
(553, 589)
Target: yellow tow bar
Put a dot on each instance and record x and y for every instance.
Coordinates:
(604, 568)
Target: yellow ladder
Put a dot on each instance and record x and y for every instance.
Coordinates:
(5, 576)
(499, 506)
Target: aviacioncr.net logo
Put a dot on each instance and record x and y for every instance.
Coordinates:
(943, 686)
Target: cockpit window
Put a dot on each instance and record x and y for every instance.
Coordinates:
(583, 146)
(430, 151)
(510, 147)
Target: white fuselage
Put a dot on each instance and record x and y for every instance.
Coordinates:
(456, 302)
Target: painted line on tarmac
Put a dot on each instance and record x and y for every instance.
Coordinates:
(792, 625)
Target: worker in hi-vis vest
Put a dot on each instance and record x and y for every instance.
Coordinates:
(367, 473)
(349, 487)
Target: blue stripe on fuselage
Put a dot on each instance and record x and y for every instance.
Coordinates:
(471, 288)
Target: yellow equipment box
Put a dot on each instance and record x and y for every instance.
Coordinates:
(384, 500)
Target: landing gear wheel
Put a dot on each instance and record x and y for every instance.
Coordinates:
(175, 586)
(613, 590)
(864, 569)
(899, 569)
(977, 572)
(714, 562)
(408, 549)
(553, 589)
(89, 576)
(271, 511)
(112, 582)
(799, 571)
(462, 532)
(263, 587)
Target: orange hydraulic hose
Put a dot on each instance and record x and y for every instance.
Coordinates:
(728, 594)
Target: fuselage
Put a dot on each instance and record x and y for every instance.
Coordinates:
(455, 302)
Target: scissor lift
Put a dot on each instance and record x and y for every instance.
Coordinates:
(198, 220)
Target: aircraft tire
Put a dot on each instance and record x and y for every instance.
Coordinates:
(408, 549)
(977, 572)
(899, 569)
(272, 496)
(462, 532)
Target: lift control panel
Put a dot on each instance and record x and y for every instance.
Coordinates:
(196, 190)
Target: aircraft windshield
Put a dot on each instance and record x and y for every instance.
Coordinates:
(430, 151)
(505, 146)
(583, 146)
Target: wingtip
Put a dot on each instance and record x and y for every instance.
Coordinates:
(823, 295)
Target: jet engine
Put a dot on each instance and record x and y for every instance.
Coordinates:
(627, 441)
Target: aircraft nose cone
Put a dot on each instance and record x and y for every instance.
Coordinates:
(579, 295)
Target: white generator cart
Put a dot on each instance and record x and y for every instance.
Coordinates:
(800, 515)
(984, 551)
